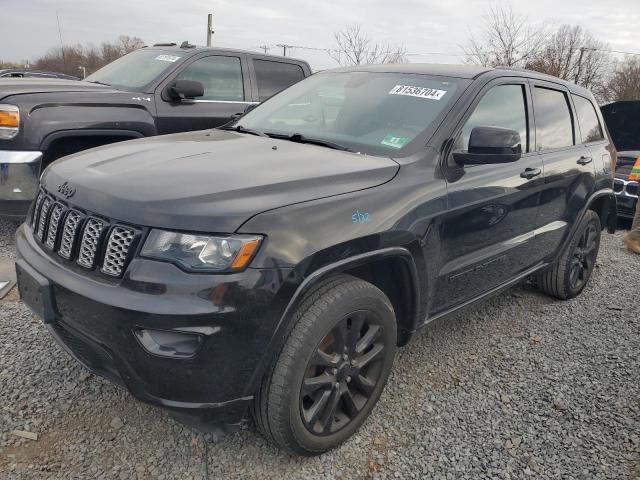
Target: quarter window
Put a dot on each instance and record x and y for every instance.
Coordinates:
(273, 77)
(590, 127)
(554, 128)
(503, 106)
(220, 76)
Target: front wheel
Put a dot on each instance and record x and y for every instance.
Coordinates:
(568, 277)
(331, 370)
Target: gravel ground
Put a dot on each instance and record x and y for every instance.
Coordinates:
(520, 386)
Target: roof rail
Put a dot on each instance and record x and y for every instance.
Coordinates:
(172, 44)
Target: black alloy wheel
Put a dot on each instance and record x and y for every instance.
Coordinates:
(342, 374)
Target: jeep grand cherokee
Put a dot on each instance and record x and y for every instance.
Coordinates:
(274, 267)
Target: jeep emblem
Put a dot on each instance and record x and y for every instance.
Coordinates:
(66, 190)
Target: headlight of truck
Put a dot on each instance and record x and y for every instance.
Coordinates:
(9, 121)
(201, 252)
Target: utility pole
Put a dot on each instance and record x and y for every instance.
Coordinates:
(284, 48)
(582, 49)
(84, 71)
(266, 48)
(209, 28)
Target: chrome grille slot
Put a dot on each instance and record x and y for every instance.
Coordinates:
(42, 220)
(89, 244)
(71, 224)
(632, 189)
(36, 209)
(118, 245)
(54, 223)
(618, 186)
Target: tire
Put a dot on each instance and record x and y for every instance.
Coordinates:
(581, 253)
(291, 415)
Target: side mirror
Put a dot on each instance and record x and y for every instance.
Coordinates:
(185, 89)
(489, 145)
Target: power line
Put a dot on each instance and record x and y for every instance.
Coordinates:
(611, 51)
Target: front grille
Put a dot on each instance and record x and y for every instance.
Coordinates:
(79, 237)
(632, 189)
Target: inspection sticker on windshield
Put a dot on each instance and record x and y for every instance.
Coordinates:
(167, 58)
(393, 141)
(419, 92)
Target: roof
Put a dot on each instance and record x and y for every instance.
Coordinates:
(200, 48)
(458, 71)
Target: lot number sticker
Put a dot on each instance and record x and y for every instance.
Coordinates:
(167, 58)
(419, 92)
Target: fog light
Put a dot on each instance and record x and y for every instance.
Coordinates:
(169, 344)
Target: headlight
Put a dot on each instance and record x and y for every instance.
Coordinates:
(201, 252)
(9, 121)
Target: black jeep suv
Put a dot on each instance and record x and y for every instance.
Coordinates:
(151, 91)
(274, 266)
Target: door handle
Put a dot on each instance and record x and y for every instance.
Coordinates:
(583, 160)
(529, 173)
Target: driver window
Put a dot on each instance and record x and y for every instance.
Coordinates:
(220, 76)
(503, 106)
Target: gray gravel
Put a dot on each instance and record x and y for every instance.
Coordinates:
(521, 386)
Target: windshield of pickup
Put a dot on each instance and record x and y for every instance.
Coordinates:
(136, 69)
(373, 113)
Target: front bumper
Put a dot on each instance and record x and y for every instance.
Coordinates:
(19, 174)
(95, 320)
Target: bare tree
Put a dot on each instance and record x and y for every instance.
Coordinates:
(354, 47)
(508, 39)
(573, 54)
(88, 56)
(624, 84)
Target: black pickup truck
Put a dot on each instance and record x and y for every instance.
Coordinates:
(152, 91)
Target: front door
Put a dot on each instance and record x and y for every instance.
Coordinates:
(226, 91)
(488, 231)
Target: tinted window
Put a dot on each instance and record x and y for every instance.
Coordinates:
(553, 119)
(220, 76)
(588, 120)
(273, 77)
(503, 106)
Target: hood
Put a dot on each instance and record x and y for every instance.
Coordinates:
(19, 86)
(209, 181)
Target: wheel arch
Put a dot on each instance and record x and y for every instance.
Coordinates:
(370, 266)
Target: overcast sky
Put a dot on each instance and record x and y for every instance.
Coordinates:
(420, 25)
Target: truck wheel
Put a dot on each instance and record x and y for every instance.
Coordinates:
(568, 277)
(331, 370)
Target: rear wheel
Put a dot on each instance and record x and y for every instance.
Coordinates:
(568, 277)
(331, 370)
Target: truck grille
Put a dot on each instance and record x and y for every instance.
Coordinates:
(91, 241)
(632, 189)
(618, 186)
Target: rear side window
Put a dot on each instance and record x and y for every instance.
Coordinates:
(220, 76)
(503, 106)
(272, 77)
(590, 127)
(554, 127)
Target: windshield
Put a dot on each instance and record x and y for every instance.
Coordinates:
(374, 113)
(136, 69)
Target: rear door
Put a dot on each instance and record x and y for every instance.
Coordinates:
(272, 76)
(227, 92)
(569, 172)
(488, 232)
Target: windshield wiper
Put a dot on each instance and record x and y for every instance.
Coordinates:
(299, 138)
(98, 82)
(241, 129)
